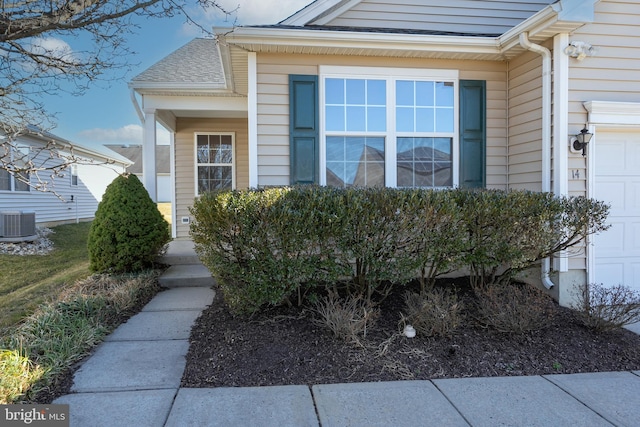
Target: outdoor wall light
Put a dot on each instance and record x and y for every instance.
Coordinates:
(580, 141)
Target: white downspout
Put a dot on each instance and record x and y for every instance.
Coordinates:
(546, 132)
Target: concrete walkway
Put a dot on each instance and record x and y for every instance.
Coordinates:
(133, 379)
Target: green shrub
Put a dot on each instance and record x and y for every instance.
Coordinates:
(267, 247)
(508, 232)
(128, 231)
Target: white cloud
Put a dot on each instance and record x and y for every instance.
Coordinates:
(52, 47)
(129, 134)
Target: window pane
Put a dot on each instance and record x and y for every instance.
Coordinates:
(363, 164)
(376, 119)
(334, 91)
(376, 92)
(203, 149)
(335, 118)
(404, 93)
(444, 94)
(425, 93)
(423, 162)
(444, 120)
(354, 149)
(335, 149)
(356, 119)
(5, 180)
(424, 120)
(19, 185)
(404, 119)
(356, 92)
(442, 148)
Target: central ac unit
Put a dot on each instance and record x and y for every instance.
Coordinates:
(17, 225)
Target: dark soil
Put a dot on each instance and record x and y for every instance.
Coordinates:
(285, 346)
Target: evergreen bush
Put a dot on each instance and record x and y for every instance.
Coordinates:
(128, 231)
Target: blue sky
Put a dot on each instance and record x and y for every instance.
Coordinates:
(105, 114)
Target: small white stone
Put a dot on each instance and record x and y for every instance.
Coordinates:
(409, 331)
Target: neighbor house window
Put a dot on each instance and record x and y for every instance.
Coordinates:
(394, 127)
(5, 180)
(74, 174)
(214, 162)
(9, 182)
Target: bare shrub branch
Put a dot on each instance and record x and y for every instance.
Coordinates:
(604, 308)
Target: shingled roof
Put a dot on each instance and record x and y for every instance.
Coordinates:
(197, 62)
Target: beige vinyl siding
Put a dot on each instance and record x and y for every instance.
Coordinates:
(240, 70)
(273, 106)
(611, 75)
(525, 122)
(437, 15)
(186, 128)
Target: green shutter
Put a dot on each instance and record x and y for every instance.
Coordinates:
(303, 129)
(473, 133)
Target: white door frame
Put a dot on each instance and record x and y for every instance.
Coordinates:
(605, 116)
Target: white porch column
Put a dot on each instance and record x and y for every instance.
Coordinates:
(149, 153)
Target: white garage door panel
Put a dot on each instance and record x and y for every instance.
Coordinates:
(617, 182)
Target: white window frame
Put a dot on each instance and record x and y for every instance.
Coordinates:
(12, 179)
(195, 158)
(391, 75)
(74, 174)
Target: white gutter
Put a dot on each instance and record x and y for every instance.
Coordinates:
(136, 106)
(546, 132)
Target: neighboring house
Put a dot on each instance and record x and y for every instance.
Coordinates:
(75, 194)
(134, 153)
(416, 93)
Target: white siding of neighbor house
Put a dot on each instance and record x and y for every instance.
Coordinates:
(185, 160)
(611, 75)
(436, 15)
(51, 209)
(273, 106)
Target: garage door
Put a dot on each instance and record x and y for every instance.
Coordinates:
(617, 182)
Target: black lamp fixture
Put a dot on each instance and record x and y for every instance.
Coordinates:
(581, 140)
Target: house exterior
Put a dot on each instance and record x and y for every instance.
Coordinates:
(467, 93)
(74, 195)
(133, 152)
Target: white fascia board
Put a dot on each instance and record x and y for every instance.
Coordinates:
(203, 103)
(362, 40)
(140, 87)
(310, 12)
(330, 15)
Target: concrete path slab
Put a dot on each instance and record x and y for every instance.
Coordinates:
(145, 408)
(516, 401)
(186, 275)
(132, 365)
(398, 404)
(278, 406)
(184, 298)
(614, 395)
(156, 325)
(634, 327)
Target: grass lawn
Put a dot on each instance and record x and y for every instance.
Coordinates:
(27, 281)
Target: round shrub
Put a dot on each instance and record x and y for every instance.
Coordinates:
(128, 231)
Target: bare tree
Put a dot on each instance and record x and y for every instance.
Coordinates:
(35, 61)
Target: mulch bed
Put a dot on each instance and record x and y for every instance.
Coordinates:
(284, 346)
